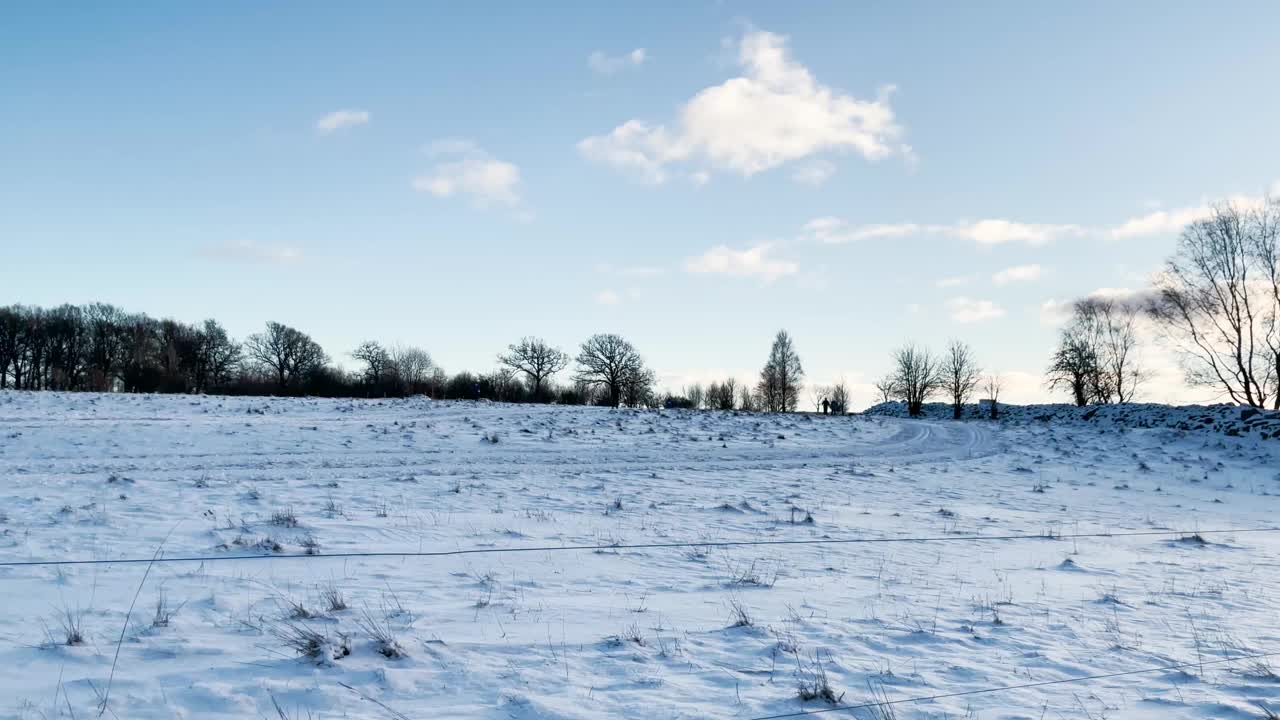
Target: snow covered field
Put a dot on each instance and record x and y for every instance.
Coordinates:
(646, 633)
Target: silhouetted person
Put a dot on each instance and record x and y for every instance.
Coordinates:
(826, 406)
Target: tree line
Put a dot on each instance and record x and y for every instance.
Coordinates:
(102, 348)
(1217, 303)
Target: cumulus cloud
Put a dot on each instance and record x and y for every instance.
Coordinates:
(968, 310)
(1017, 273)
(773, 113)
(464, 169)
(248, 251)
(605, 64)
(999, 232)
(753, 262)
(340, 119)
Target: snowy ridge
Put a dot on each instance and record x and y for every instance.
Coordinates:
(1232, 420)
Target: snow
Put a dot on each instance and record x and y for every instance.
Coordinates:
(617, 632)
(1231, 420)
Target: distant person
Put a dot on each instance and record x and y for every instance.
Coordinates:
(826, 406)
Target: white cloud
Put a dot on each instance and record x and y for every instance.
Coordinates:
(1018, 273)
(968, 310)
(999, 232)
(342, 119)
(984, 232)
(605, 64)
(834, 231)
(248, 251)
(1107, 293)
(752, 262)
(1171, 222)
(814, 173)
(826, 229)
(1160, 222)
(954, 281)
(463, 168)
(632, 146)
(607, 297)
(1054, 312)
(773, 113)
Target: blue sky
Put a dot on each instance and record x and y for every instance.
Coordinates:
(693, 176)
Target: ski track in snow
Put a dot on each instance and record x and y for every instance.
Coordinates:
(623, 633)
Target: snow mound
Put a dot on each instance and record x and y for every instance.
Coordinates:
(1231, 420)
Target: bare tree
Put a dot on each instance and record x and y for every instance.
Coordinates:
(216, 356)
(728, 394)
(1219, 302)
(413, 367)
(537, 360)
(722, 396)
(695, 395)
(1265, 250)
(288, 354)
(1074, 366)
(609, 362)
(105, 344)
(960, 375)
(839, 397)
(991, 388)
(638, 388)
(713, 396)
(917, 376)
(818, 393)
(436, 381)
(749, 401)
(1109, 326)
(377, 363)
(504, 384)
(888, 391)
(141, 347)
(780, 380)
(11, 323)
